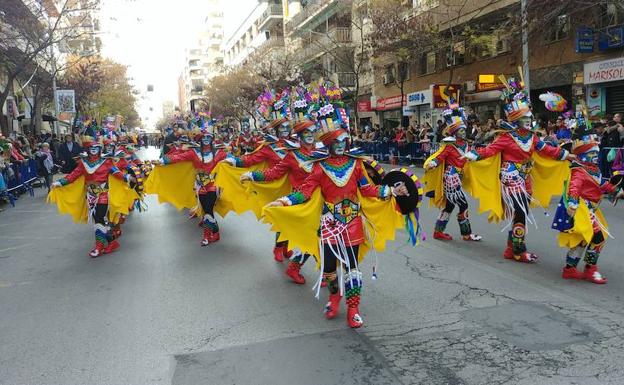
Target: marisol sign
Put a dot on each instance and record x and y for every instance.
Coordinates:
(604, 71)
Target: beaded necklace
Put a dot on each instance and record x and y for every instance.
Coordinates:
(524, 142)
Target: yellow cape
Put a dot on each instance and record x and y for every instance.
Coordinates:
(582, 231)
(71, 199)
(175, 183)
(299, 224)
(482, 181)
(433, 181)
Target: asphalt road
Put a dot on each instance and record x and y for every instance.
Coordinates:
(164, 310)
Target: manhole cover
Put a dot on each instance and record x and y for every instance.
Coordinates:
(532, 326)
(337, 357)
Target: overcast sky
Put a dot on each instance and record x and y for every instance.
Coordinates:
(150, 37)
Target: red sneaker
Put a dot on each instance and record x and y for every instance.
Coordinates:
(112, 246)
(294, 272)
(278, 253)
(206, 239)
(353, 312)
(333, 306)
(508, 253)
(97, 250)
(214, 237)
(525, 257)
(570, 272)
(442, 236)
(593, 275)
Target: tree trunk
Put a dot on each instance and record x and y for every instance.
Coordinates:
(4, 124)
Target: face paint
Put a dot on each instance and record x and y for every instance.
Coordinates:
(110, 149)
(461, 133)
(283, 131)
(338, 147)
(589, 157)
(206, 140)
(307, 136)
(525, 122)
(94, 150)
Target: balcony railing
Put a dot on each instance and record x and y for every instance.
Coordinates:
(273, 11)
(312, 8)
(274, 42)
(346, 79)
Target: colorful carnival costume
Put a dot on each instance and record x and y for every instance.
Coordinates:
(273, 150)
(204, 159)
(444, 176)
(336, 193)
(107, 197)
(297, 164)
(519, 158)
(579, 219)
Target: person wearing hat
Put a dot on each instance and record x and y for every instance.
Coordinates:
(341, 179)
(96, 169)
(514, 175)
(583, 229)
(271, 151)
(204, 157)
(297, 164)
(451, 160)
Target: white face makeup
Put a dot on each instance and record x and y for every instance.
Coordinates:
(109, 149)
(338, 147)
(94, 150)
(589, 157)
(525, 122)
(461, 133)
(307, 136)
(206, 140)
(283, 131)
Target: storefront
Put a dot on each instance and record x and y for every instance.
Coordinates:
(484, 101)
(389, 110)
(604, 81)
(419, 106)
(366, 115)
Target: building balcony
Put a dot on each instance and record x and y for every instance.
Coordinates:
(272, 15)
(272, 43)
(314, 14)
(346, 79)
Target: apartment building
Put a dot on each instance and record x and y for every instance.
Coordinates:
(203, 60)
(579, 57)
(261, 31)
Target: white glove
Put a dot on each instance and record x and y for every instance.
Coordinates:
(55, 185)
(246, 177)
(231, 161)
(471, 156)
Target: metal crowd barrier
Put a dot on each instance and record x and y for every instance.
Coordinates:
(23, 179)
(390, 152)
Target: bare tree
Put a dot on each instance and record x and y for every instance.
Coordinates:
(29, 31)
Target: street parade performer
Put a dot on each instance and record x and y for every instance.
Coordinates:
(107, 196)
(337, 195)
(518, 173)
(186, 176)
(297, 164)
(582, 226)
(444, 173)
(274, 106)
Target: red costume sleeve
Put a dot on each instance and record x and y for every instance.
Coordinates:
(548, 150)
(255, 157)
(77, 173)
(277, 171)
(498, 145)
(181, 156)
(306, 189)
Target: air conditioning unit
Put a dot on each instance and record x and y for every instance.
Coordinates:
(501, 44)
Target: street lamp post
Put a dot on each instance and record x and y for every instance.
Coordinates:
(525, 48)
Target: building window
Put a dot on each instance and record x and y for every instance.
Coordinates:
(456, 55)
(428, 63)
(559, 30)
(403, 71)
(611, 14)
(389, 74)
